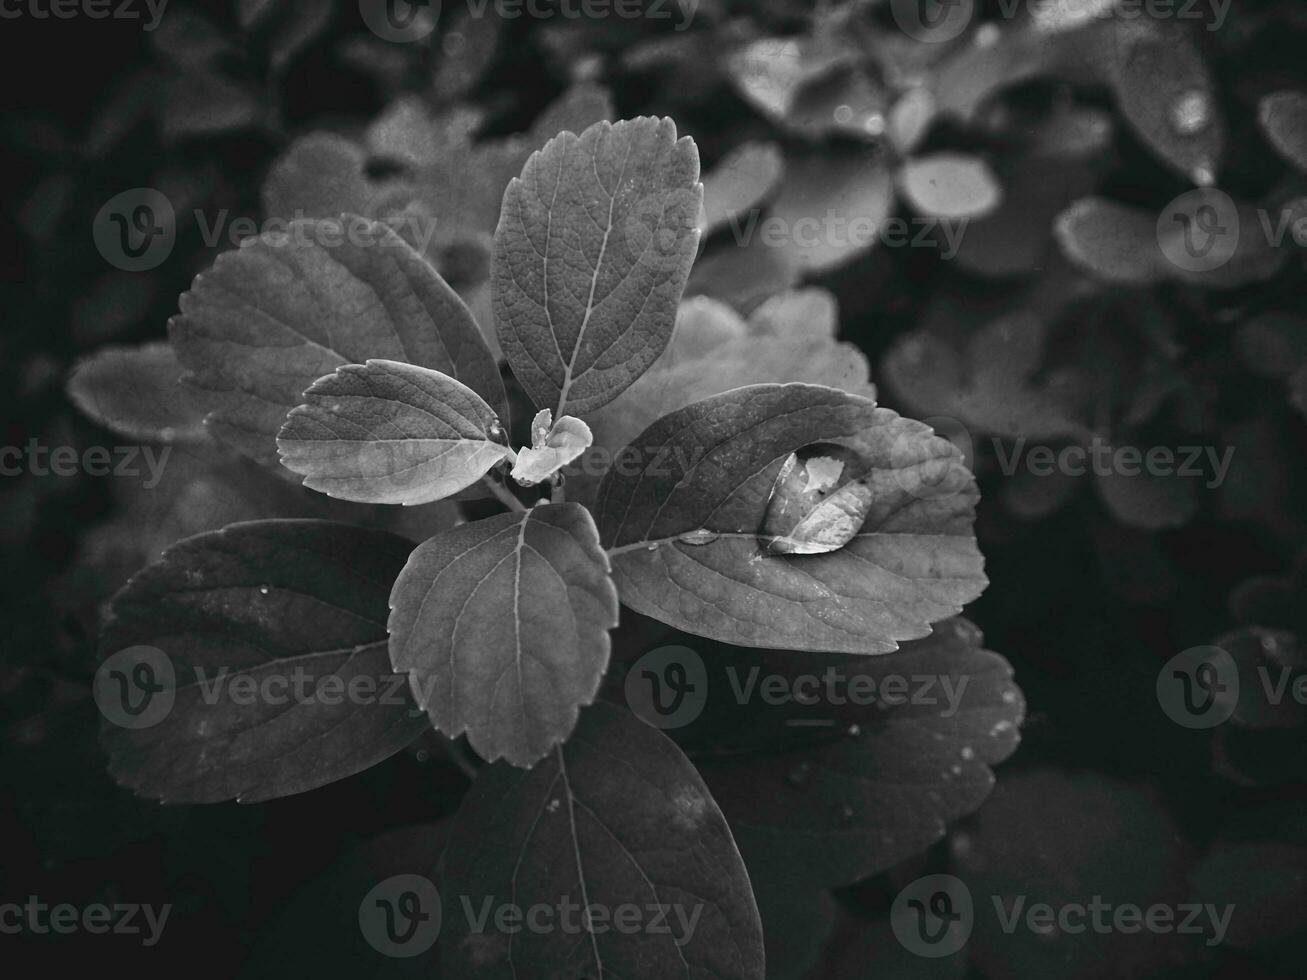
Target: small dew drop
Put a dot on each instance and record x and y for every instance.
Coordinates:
(968, 752)
(1009, 697)
(800, 774)
(846, 813)
(651, 547)
(552, 805)
(843, 114)
(422, 755)
(1191, 113)
(698, 536)
(263, 590)
(987, 35)
(853, 731)
(874, 124)
(955, 769)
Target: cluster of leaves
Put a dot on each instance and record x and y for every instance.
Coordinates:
(791, 516)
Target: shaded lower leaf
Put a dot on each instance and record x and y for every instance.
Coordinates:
(842, 787)
(274, 632)
(502, 626)
(617, 820)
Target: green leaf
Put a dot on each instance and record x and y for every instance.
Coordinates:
(274, 316)
(849, 784)
(950, 185)
(592, 251)
(682, 512)
(1283, 116)
(390, 433)
(258, 621)
(616, 818)
(135, 392)
(502, 626)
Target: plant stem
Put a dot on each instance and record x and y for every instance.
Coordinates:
(502, 493)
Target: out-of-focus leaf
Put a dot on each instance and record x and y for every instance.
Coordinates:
(741, 182)
(744, 273)
(467, 50)
(502, 626)
(592, 252)
(1058, 838)
(771, 73)
(617, 817)
(254, 620)
(1264, 882)
(1273, 345)
(385, 432)
(831, 207)
(136, 392)
(282, 311)
(1041, 176)
(198, 104)
(682, 509)
(1203, 238)
(991, 389)
(950, 185)
(1272, 665)
(1145, 499)
(1283, 116)
(1165, 92)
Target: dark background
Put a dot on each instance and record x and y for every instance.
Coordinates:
(1084, 607)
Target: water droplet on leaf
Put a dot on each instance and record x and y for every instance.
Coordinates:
(818, 501)
(698, 536)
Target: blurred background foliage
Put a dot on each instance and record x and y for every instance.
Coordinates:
(1059, 140)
